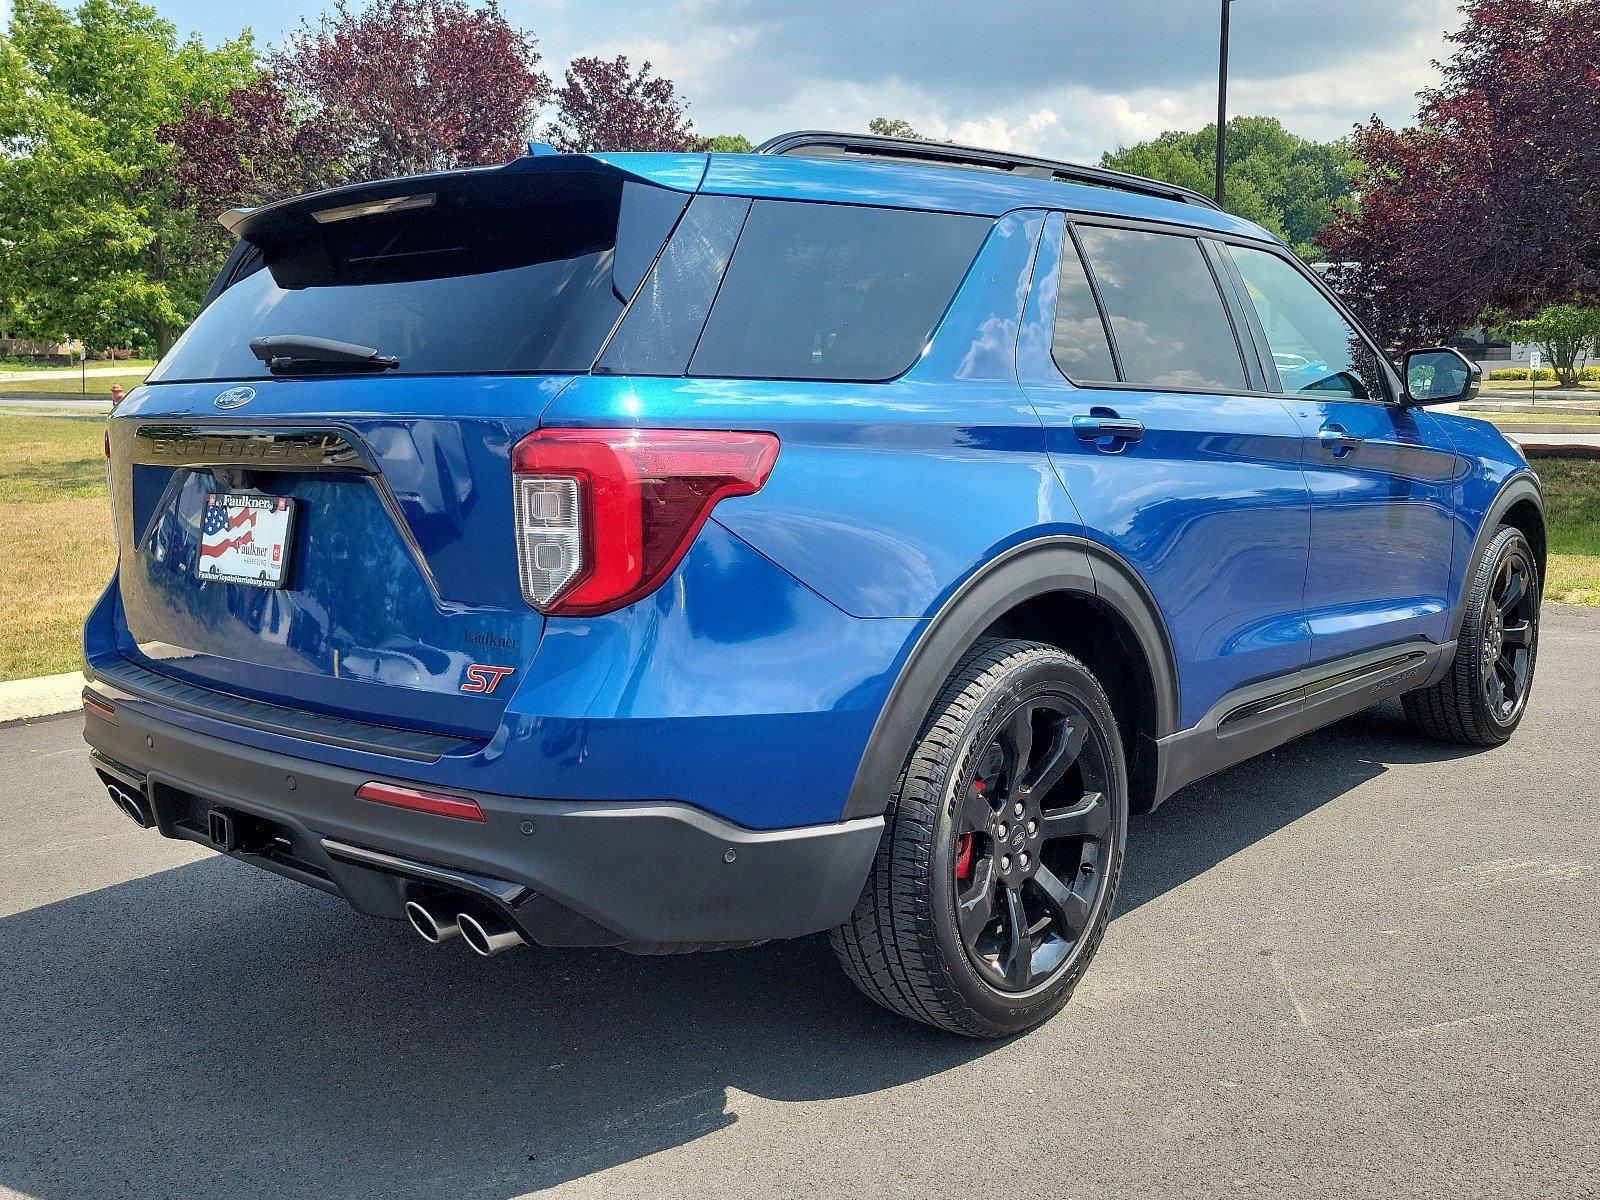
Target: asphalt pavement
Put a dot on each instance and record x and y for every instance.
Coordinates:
(1362, 966)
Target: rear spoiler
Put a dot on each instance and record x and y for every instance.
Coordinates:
(300, 216)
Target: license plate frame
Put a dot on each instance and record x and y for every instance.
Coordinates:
(246, 539)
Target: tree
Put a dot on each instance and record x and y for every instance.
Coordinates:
(249, 149)
(728, 143)
(392, 89)
(1565, 332)
(1490, 205)
(892, 127)
(93, 244)
(405, 86)
(1274, 178)
(606, 105)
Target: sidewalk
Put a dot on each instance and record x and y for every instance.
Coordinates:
(69, 401)
(24, 699)
(1550, 393)
(69, 373)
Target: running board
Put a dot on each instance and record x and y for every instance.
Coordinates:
(1260, 716)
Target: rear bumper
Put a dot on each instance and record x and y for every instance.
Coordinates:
(637, 874)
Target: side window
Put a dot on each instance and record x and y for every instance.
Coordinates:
(834, 291)
(1315, 350)
(1079, 344)
(1167, 316)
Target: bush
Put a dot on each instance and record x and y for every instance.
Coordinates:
(1546, 374)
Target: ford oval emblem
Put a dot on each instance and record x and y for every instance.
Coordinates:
(235, 397)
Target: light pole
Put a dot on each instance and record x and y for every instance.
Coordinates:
(1222, 101)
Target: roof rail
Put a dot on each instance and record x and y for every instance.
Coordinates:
(813, 143)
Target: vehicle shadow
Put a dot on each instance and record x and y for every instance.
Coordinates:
(210, 1031)
(1213, 819)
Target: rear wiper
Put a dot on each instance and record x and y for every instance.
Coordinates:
(302, 354)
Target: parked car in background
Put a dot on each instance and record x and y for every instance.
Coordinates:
(679, 551)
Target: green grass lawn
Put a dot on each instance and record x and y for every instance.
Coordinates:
(1572, 509)
(55, 533)
(71, 383)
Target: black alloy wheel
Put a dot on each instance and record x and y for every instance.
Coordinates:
(1002, 846)
(1510, 630)
(1480, 700)
(1031, 842)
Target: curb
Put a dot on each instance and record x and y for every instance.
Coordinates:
(46, 696)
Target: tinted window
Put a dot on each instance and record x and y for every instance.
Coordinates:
(517, 280)
(1079, 343)
(1166, 314)
(1315, 350)
(830, 291)
(666, 317)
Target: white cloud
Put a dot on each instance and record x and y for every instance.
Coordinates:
(1058, 77)
(1121, 75)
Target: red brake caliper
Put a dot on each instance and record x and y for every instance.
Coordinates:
(964, 845)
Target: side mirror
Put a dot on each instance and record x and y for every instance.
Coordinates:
(1440, 375)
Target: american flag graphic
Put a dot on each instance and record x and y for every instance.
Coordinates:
(240, 527)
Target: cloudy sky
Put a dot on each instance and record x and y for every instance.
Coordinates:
(1061, 77)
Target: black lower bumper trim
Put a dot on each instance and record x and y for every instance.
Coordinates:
(640, 874)
(124, 678)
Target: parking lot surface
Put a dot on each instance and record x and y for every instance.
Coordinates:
(1361, 966)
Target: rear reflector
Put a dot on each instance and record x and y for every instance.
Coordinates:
(418, 801)
(604, 515)
(100, 708)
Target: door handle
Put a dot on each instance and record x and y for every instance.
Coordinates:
(1336, 439)
(1091, 427)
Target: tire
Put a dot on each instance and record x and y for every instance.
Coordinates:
(1495, 654)
(932, 937)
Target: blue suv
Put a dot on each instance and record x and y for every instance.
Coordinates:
(679, 551)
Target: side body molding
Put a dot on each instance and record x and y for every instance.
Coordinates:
(1048, 565)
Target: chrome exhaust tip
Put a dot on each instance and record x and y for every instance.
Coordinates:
(430, 926)
(133, 806)
(487, 934)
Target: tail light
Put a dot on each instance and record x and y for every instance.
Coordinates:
(604, 515)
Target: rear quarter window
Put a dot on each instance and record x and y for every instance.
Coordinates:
(831, 291)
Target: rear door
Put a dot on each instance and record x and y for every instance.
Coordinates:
(1380, 474)
(1157, 426)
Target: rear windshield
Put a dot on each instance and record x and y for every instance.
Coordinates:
(834, 291)
(527, 278)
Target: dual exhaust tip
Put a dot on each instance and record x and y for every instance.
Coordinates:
(133, 805)
(484, 932)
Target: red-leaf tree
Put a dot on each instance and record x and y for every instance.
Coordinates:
(416, 85)
(608, 106)
(398, 87)
(1491, 204)
(250, 151)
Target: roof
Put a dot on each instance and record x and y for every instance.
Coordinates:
(928, 185)
(841, 180)
(949, 189)
(818, 143)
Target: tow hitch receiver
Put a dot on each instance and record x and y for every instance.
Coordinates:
(224, 835)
